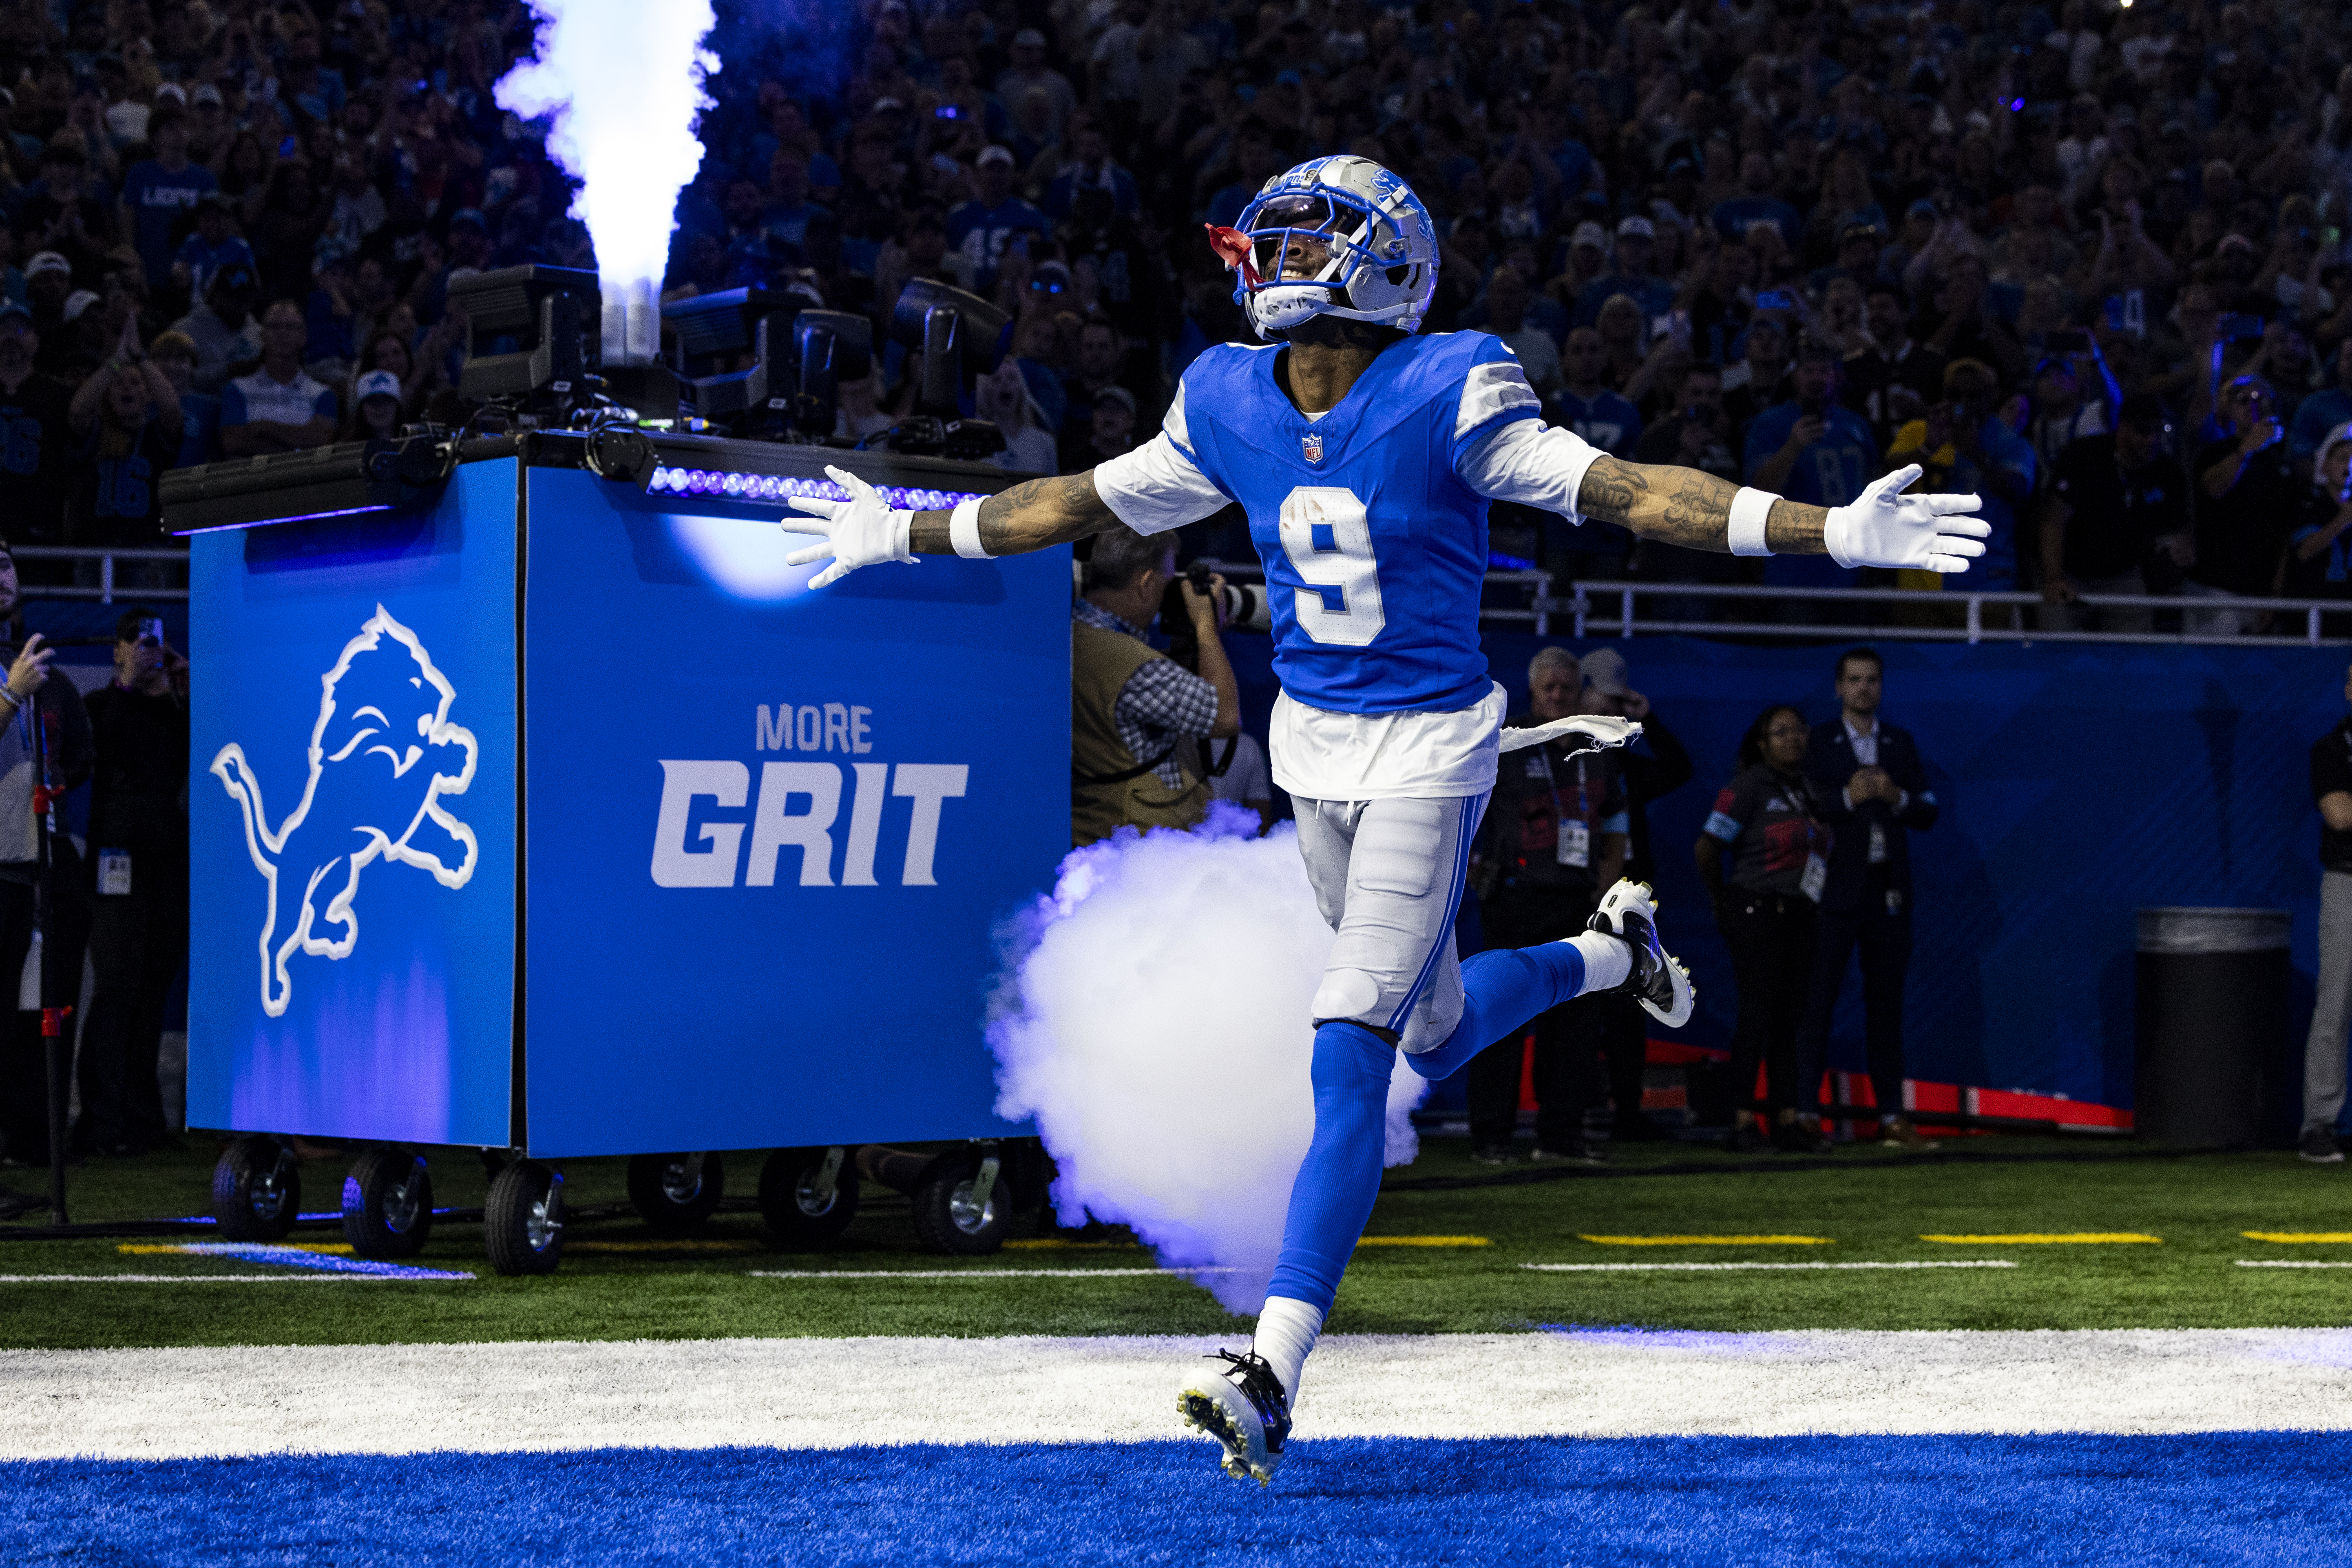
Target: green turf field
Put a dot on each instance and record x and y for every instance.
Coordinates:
(1866, 1206)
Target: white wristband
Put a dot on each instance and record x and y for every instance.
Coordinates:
(963, 530)
(1749, 509)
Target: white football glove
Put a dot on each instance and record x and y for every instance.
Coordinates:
(859, 531)
(1883, 527)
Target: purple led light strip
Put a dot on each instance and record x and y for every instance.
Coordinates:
(776, 489)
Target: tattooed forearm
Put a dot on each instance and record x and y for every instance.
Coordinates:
(1612, 490)
(1029, 516)
(1697, 511)
(1688, 507)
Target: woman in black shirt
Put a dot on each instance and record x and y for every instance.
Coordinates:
(1778, 851)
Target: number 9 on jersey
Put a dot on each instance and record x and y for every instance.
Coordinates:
(1329, 540)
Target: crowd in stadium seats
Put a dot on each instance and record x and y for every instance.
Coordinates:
(1797, 242)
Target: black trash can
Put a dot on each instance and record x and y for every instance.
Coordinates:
(2212, 1015)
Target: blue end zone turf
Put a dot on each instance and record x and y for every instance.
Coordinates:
(2208, 1497)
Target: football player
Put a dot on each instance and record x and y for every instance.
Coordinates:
(1365, 456)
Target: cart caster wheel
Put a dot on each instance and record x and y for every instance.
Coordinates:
(808, 1197)
(675, 1193)
(256, 1190)
(388, 1203)
(963, 1208)
(522, 1222)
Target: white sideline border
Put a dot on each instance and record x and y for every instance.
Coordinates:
(822, 1394)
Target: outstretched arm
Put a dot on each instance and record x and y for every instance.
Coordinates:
(1151, 489)
(1027, 517)
(864, 531)
(1555, 470)
(1690, 507)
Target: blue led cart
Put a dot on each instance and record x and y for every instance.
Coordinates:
(550, 812)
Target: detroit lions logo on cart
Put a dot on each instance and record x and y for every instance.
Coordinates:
(383, 708)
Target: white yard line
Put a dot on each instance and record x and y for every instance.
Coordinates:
(1685, 1268)
(2287, 1263)
(828, 1394)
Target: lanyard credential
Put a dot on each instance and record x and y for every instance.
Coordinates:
(1571, 841)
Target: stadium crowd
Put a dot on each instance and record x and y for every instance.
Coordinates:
(2085, 260)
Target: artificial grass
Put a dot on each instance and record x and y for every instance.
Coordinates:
(1874, 1205)
(2206, 1498)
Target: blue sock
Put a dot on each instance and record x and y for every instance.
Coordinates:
(1503, 990)
(1332, 1198)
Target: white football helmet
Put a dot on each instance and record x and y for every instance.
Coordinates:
(1377, 246)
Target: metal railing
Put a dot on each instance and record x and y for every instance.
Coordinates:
(2011, 621)
(104, 589)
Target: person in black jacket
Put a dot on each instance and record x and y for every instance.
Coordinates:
(1656, 765)
(1766, 826)
(139, 919)
(1553, 839)
(1872, 789)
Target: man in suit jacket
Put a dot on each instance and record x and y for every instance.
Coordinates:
(1873, 788)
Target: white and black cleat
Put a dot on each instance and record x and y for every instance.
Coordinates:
(1661, 984)
(1243, 1406)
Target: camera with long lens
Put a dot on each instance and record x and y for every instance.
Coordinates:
(1244, 608)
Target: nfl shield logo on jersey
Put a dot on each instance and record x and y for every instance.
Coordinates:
(1312, 447)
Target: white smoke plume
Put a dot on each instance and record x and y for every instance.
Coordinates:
(1154, 1019)
(624, 82)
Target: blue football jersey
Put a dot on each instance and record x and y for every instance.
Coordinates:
(1374, 548)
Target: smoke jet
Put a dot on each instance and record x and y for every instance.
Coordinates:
(623, 79)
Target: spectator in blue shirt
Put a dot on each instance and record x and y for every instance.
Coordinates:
(316, 90)
(330, 315)
(1814, 451)
(1090, 168)
(1735, 216)
(1570, 157)
(2324, 410)
(979, 230)
(158, 192)
(1636, 238)
(175, 354)
(279, 407)
(1586, 406)
(790, 210)
(213, 246)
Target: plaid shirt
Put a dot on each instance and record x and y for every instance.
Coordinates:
(1162, 702)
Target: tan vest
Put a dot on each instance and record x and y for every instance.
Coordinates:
(1100, 665)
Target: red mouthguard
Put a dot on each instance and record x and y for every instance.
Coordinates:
(1233, 248)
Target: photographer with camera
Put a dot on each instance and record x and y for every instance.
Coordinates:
(1137, 714)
